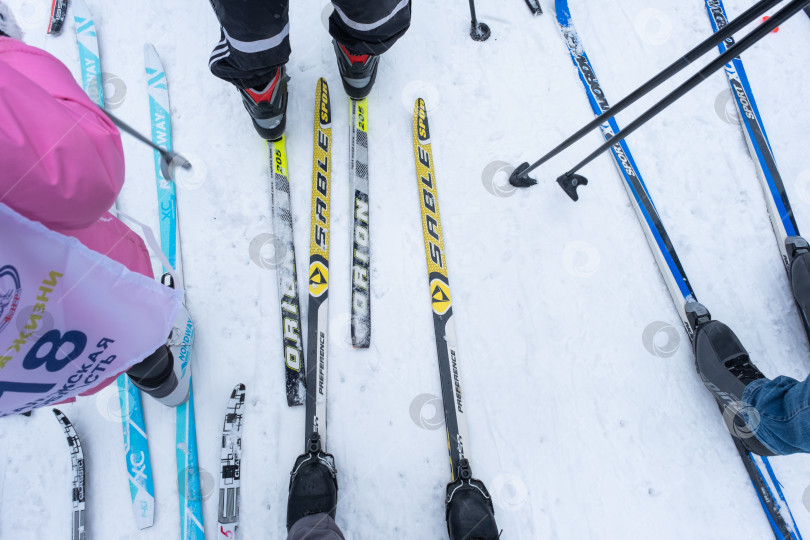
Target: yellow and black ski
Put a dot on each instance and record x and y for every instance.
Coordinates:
(286, 273)
(469, 510)
(361, 246)
(318, 321)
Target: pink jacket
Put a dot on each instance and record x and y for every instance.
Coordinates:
(61, 159)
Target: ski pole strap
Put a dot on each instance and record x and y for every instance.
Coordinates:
(154, 247)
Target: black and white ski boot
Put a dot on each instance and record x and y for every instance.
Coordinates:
(725, 368)
(358, 71)
(798, 251)
(313, 484)
(469, 511)
(267, 105)
(166, 374)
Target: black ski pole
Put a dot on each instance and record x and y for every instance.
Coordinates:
(478, 30)
(520, 176)
(169, 159)
(570, 180)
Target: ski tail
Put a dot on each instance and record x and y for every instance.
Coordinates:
(361, 246)
(286, 274)
(188, 472)
(534, 6)
(769, 492)
(136, 448)
(58, 15)
(230, 465)
(78, 531)
(318, 324)
(763, 478)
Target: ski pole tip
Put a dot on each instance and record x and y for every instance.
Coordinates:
(569, 182)
(520, 177)
(480, 31)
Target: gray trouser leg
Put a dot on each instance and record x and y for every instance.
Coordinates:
(254, 40)
(369, 26)
(255, 34)
(315, 527)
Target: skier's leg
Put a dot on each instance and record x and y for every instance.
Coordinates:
(254, 46)
(166, 374)
(315, 527)
(363, 30)
(780, 413)
(369, 26)
(254, 40)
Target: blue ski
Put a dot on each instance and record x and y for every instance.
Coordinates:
(776, 199)
(136, 444)
(88, 52)
(188, 474)
(762, 476)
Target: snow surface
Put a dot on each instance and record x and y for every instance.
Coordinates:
(577, 428)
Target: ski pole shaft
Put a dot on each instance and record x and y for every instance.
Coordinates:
(744, 44)
(667, 73)
(478, 31)
(169, 158)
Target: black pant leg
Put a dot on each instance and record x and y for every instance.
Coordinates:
(369, 26)
(254, 40)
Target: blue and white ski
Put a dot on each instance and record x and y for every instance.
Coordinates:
(136, 444)
(88, 52)
(188, 474)
(766, 484)
(776, 199)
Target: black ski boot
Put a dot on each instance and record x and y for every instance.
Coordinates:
(267, 105)
(358, 71)
(313, 484)
(469, 511)
(799, 266)
(725, 368)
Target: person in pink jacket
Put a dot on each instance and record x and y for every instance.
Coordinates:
(62, 164)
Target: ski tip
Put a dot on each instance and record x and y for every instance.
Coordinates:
(534, 6)
(238, 391)
(569, 182)
(520, 177)
(58, 16)
(421, 127)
